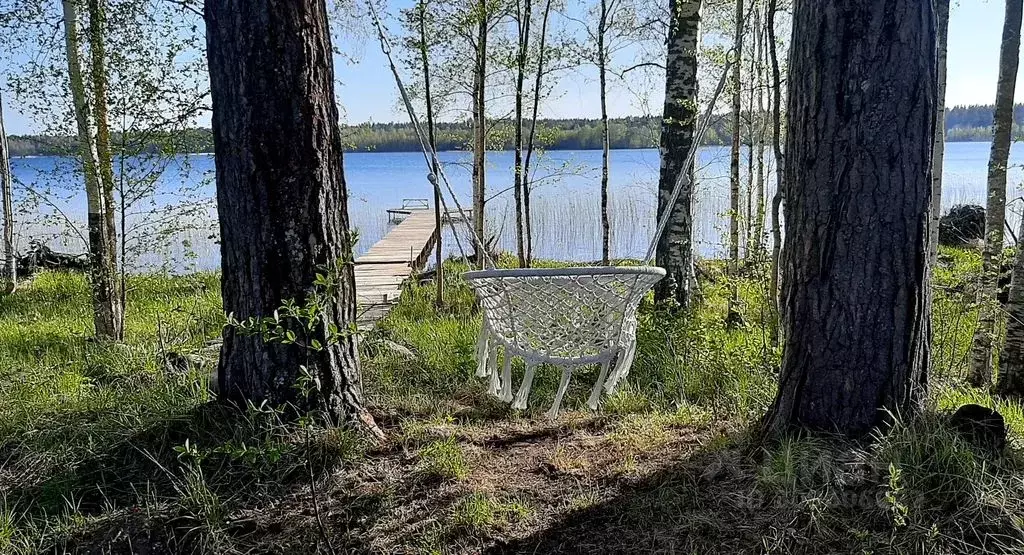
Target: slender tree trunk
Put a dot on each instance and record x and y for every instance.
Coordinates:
(862, 94)
(480, 140)
(97, 50)
(602, 69)
(438, 207)
(530, 143)
(980, 374)
(759, 138)
(282, 200)
(523, 25)
(748, 214)
(780, 177)
(939, 148)
(734, 170)
(678, 127)
(105, 300)
(1011, 361)
(9, 278)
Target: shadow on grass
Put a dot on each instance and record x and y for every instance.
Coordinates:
(191, 482)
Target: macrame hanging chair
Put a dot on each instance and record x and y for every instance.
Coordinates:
(565, 317)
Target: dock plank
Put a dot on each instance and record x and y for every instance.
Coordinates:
(382, 271)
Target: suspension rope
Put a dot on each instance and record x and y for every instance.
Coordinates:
(429, 155)
(684, 175)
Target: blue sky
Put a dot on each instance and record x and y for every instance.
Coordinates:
(367, 92)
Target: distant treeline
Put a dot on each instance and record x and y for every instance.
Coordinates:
(963, 123)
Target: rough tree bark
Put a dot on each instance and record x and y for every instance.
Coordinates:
(107, 313)
(438, 207)
(861, 112)
(282, 199)
(980, 373)
(531, 141)
(678, 126)
(734, 168)
(939, 147)
(480, 134)
(524, 14)
(9, 277)
(602, 70)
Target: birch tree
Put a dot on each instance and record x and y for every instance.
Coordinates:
(523, 17)
(939, 148)
(780, 174)
(734, 164)
(610, 30)
(542, 69)
(480, 129)
(108, 311)
(9, 278)
(605, 19)
(980, 373)
(675, 248)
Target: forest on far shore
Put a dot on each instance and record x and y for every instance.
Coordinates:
(963, 124)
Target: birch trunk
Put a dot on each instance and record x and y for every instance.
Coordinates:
(523, 25)
(9, 278)
(678, 127)
(97, 51)
(758, 139)
(734, 169)
(780, 176)
(438, 207)
(106, 301)
(530, 142)
(980, 374)
(1011, 361)
(602, 69)
(939, 148)
(480, 136)
(862, 94)
(282, 201)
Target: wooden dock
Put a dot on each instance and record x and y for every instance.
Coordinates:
(384, 269)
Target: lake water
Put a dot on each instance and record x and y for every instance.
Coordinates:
(175, 227)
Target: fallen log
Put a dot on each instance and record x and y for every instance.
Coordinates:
(41, 257)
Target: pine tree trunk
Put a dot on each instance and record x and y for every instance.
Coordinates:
(602, 70)
(438, 207)
(480, 137)
(777, 199)
(862, 96)
(982, 348)
(282, 199)
(102, 265)
(97, 50)
(734, 170)
(678, 127)
(939, 148)
(9, 278)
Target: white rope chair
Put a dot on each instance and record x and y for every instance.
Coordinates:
(565, 317)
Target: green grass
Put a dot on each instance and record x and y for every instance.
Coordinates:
(97, 437)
